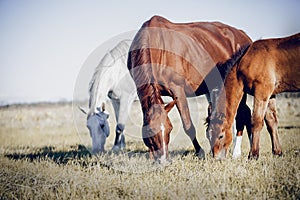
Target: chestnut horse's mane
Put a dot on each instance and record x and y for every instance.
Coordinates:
(225, 68)
(147, 86)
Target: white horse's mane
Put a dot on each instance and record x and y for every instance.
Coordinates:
(108, 60)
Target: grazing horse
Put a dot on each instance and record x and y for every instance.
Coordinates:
(111, 79)
(268, 67)
(179, 60)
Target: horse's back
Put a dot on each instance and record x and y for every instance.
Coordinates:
(197, 29)
(190, 49)
(274, 60)
(275, 52)
(218, 39)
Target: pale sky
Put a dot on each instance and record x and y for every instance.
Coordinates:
(43, 44)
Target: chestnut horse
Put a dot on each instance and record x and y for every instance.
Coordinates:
(179, 60)
(269, 67)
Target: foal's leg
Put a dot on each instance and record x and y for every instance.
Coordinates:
(243, 118)
(261, 99)
(272, 126)
(188, 125)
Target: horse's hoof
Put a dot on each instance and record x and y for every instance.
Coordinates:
(116, 149)
(98, 152)
(163, 162)
(277, 153)
(253, 156)
(236, 155)
(119, 146)
(200, 154)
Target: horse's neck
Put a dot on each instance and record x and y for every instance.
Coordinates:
(120, 69)
(99, 95)
(109, 73)
(108, 80)
(230, 98)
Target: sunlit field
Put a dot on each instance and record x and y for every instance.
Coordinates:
(44, 154)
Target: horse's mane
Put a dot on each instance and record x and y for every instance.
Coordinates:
(225, 68)
(140, 67)
(120, 50)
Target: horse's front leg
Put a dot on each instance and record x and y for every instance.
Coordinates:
(125, 106)
(119, 127)
(242, 119)
(189, 128)
(121, 107)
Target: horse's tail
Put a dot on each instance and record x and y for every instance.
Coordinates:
(226, 67)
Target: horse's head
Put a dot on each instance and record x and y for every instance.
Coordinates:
(218, 138)
(156, 131)
(99, 130)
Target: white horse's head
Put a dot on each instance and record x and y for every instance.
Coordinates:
(99, 130)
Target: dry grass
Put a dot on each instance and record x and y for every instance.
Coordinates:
(43, 157)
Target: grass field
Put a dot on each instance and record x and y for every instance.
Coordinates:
(43, 155)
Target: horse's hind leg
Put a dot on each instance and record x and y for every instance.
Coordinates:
(188, 125)
(272, 126)
(116, 106)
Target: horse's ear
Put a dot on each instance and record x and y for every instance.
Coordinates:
(170, 105)
(82, 110)
(103, 107)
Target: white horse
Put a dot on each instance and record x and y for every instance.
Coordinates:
(111, 79)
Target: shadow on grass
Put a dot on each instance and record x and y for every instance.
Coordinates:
(50, 152)
(81, 155)
(288, 127)
(139, 152)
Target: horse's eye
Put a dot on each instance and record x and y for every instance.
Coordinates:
(102, 126)
(221, 136)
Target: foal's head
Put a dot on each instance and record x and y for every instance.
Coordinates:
(156, 131)
(216, 124)
(218, 138)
